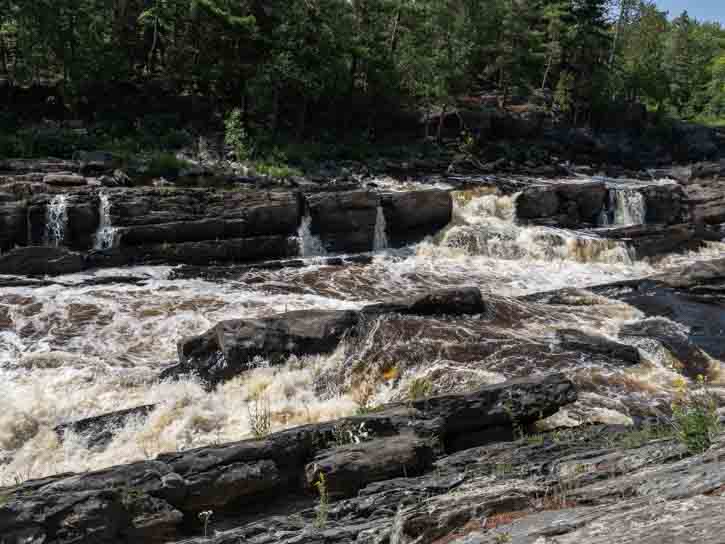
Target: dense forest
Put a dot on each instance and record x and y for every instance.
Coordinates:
(297, 65)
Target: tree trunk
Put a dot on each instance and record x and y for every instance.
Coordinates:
(441, 120)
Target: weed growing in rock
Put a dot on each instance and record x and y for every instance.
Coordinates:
(419, 389)
(259, 415)
(323, 507)
(502, 538)
(694, 416)
(204, 517)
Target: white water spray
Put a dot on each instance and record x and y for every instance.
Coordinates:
(309, 244)
(629, 207)
(56, 219)
(105, 237)
(380, 241)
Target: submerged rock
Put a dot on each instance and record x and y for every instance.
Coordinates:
(581, 341)
(231, 346)
(98, 431)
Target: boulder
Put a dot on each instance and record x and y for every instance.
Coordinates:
(349, 468)
(565, 204)
(576, 340)
(98, 431)
(411, 216)
(231, 346)
(41, 261)
(65, 180)
(694, 361)
(344, 221)
(462, 301)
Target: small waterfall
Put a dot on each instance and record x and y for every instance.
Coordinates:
(380, 241)
(309, 244)
(629, 207)
(105, 237)
(485, 226)
(56, 220)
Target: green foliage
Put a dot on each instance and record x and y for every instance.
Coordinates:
(288, 66)
(695, 417)
(419, 389)
(236, 136)
(259, 415)
(323, 506)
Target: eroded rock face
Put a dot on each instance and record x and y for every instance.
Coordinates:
(567, 205)
(344, 221)
(231, 346)
(156, 501)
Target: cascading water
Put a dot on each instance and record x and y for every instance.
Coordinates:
(70, 350)
(485, 225)
(105, 237)
(380, 241)
(629, 207)
(309, 244)
(56, 219)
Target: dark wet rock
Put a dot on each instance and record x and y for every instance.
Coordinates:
(231, 346)
(40, 261)
(13, 225)
(658, 240)
(159, 500)
(349, 468)
(25, 166)
(119, 178)
(462, 301)
(576, 340)
(236, 271)
(344, 221)
(65, 180)
(233, 250)
(412, 216)
(694, 361)
(98, 431)
(568, 205)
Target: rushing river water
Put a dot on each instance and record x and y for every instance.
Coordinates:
(73, 351)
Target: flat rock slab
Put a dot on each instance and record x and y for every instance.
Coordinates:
(41, 261)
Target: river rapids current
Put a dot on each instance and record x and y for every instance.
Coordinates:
(69, 350)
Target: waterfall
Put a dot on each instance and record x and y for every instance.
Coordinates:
(629, 207)
(56, 219)
(309, 244)
(485, 225)
(105, 237)
(380, 241)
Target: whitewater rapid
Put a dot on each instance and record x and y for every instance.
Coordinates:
(72, 351)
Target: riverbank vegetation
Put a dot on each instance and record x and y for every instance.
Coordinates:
(145, 71)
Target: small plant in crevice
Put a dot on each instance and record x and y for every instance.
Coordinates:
(502, 538)
(259, 415)
(204, 517)
(323, 506)
(419, 389)
(694, 416)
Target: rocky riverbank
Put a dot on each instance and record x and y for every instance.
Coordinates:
(488, 359)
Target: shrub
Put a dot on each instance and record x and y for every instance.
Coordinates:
(419, 388)
(236, 136)
(694, 416)
(259, 416)
(323, 507)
